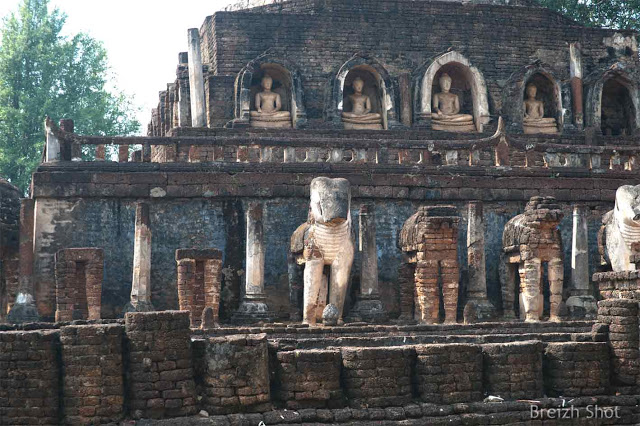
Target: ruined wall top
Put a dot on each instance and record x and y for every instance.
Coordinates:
(284, 5)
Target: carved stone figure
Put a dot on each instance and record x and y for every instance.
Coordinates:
(534, 119)
(446, 107)
(360, 116)
(529, 240)
(325, 240)
(268, 111)
(619, 237)
(430, 240)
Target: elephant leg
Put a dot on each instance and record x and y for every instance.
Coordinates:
(450, 281)
(508, 273)
(312, 284)
(427, 298)
(321, 303)
(296, 287)
(556, 278)
(530, 295)
(340, 271)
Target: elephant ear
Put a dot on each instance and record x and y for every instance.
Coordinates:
(297, 239)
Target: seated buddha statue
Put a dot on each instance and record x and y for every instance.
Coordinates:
(534, 120)
(268, 105)
(446, 107)
(360, 116)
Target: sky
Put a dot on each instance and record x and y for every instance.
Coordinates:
(142, 37)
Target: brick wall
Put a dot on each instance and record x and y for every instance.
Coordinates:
(580, 369)
(93, 373)
(79, 274)
(449, 374)
(29, 376)
(160, 370)
(513, 370)
(233, 374)
(622, 318)
(377, 377)
(309, 379)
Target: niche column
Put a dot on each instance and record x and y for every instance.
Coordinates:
(581, 304)
(253, 307)
(478, 307)
(141, 285)
(368, 306)
(24, 308)
(196, 80)
(575, 57)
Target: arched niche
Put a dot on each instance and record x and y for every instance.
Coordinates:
(618, 112)
(467, 82)
(549, 93)
(378, 86)
(612, 101)
(286, 82)
(373, 89)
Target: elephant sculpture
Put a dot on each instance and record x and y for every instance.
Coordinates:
(530, 240)
(326, 239)
(619, 237)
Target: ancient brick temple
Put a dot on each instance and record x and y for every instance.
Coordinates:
(499, 134)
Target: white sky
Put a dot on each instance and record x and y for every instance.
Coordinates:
(142, 37)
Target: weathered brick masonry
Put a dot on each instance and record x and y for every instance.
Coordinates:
(79, 274)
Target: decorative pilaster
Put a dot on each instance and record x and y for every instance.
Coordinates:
(582, 303)
(478, 307)
(196, 80)
(368, 307)
(24, 308)
(253, 307)
(141, 285)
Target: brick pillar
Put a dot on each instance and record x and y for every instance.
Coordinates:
(24, 308)
(141, 285)
(621, 315)
(93, 374)
(79, 274)
(160, 370)
(199, 281)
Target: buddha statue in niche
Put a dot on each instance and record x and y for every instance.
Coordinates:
(446, 110)
(534, 120)
(360, 116)
(268, 106)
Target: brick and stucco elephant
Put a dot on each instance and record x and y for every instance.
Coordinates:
(619, 237)
(529, 241)
(326, 239)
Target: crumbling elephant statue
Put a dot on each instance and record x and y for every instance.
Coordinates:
(325, 240)
(619, 236)
(530, 240)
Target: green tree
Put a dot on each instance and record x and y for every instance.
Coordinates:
(618, 14)
(44, 73)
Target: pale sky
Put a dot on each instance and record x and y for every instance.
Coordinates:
(142, 37)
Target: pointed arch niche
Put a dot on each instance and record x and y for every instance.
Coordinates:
(377, 85)
(468, 84)
(549, 93)
(618, 110)
(286, 83)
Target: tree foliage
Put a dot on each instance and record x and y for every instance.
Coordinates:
(44, 73)
(618, 14)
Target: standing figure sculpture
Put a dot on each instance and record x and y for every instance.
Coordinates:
(619, 237)
(360, 116)
(446, 107)
(534, 119)
(530, 240)
(268, 105)
(325, 240)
